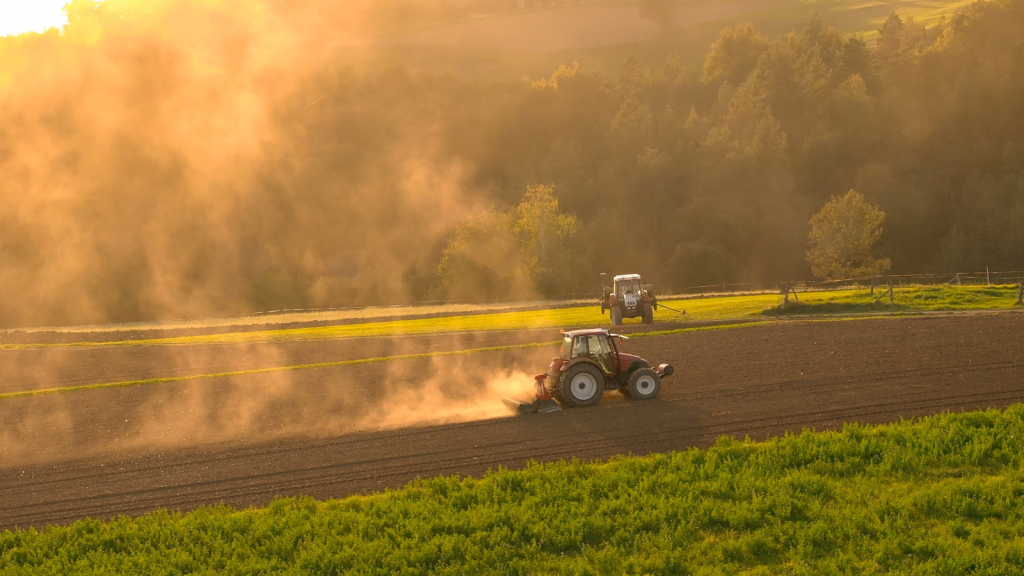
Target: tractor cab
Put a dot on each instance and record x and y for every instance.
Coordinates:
(628, 287)
(598, 346)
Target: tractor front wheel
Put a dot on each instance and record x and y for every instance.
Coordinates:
(616, 316)
(581, 385)
(644, 384)
(648, 314)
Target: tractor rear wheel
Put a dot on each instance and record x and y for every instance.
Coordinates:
(648, 315)
(581, 385)
(616, 316)
(644, 384)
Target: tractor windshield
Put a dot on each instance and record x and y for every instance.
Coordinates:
(566, 351)
(627, 286)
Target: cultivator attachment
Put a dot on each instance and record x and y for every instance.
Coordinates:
(542, 404)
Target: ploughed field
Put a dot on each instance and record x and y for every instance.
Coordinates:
(334, 431)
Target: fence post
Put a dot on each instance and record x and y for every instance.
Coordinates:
(1020, 293)
(784, 288)
(874, 281)
(890, 289)
(957, 278)
(988, 279)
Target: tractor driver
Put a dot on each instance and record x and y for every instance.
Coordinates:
(601, 351)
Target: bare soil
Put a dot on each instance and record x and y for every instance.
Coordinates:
(245, 441)
(56, 367)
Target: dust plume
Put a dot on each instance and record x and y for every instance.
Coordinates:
(166, 159)
(472, 392)
(244, 410)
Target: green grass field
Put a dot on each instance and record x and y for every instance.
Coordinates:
(942, 495)
(909, 299)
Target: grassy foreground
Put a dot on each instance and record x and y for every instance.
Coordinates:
(942, 495)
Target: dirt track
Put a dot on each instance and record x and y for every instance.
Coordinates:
(758, 381)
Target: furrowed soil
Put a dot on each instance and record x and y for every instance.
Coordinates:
(64, 366)
(337, 431)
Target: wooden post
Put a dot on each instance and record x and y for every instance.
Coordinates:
(890, 289)
(874, 281)
(793, 290)
(1020, 293)
(957, 278)
(988, 279)
(784, 289)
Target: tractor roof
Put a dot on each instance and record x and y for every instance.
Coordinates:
(585, 332)
(591, 332)
(627, 277)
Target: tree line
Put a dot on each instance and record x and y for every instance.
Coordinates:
(707, 175)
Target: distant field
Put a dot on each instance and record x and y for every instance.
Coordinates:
(603, 33)
(301, 316)
(560, 28)
(940, 495)
(911, 299)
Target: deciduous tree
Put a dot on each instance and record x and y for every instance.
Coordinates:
(842, 236)
(509, 254)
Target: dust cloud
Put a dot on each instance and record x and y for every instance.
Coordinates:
(167, 159)
(246, 410)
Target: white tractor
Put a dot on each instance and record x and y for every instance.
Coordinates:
(628, 297)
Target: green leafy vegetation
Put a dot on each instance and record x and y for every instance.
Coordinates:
(842, 236)
(496, 254)
(941, 495)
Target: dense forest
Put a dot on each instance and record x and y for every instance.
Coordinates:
(169, 159)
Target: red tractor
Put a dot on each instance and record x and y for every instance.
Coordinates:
(628, 297)
(589, 364)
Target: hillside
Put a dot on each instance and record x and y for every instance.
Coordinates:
(531, 42)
